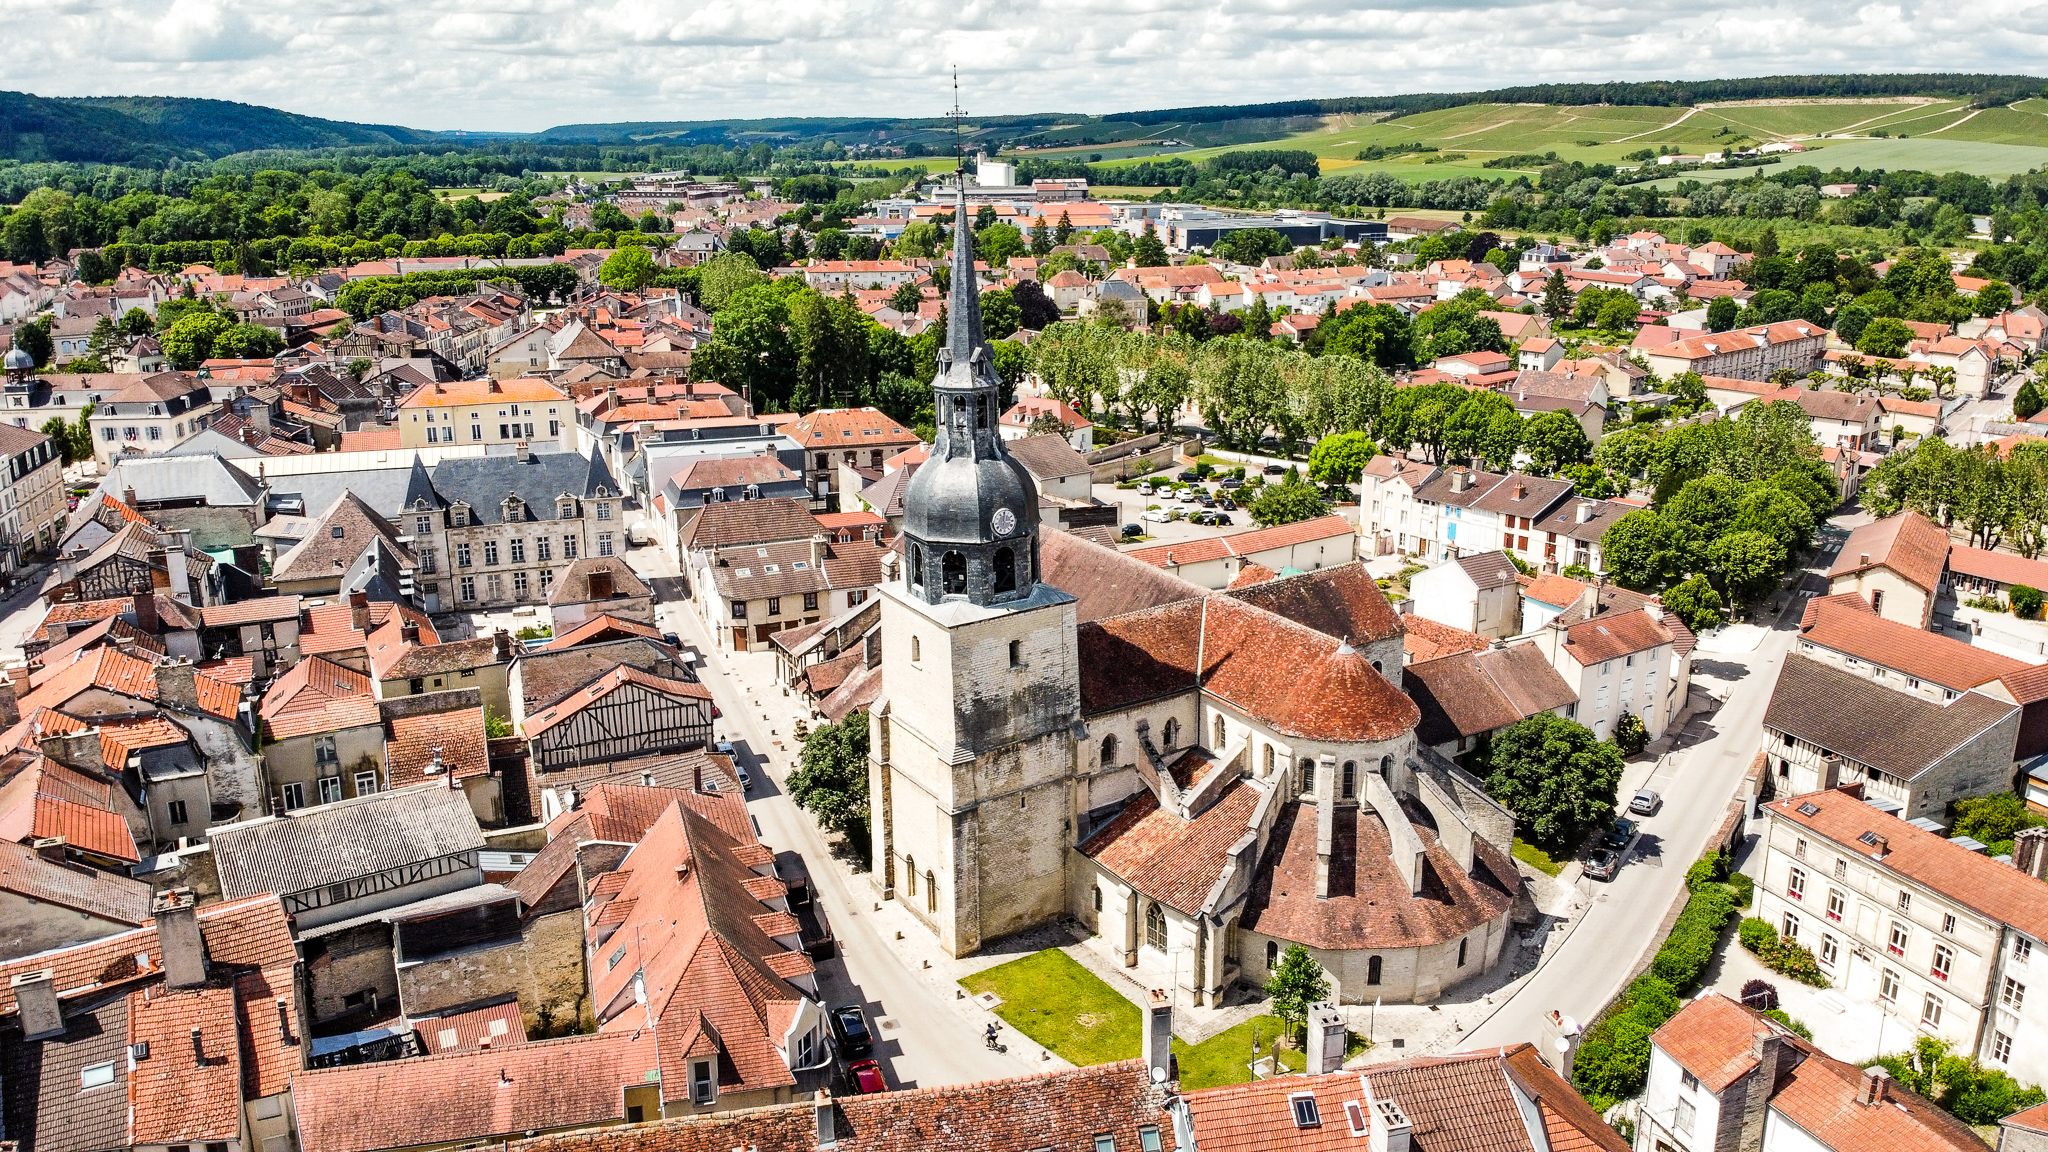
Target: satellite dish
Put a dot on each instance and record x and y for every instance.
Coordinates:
(1159, 1075)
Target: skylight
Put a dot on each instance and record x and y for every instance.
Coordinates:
(1809, 808)
(1305, 1113)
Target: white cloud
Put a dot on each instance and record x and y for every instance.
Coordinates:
(531, 64)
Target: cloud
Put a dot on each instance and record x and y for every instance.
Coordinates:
(532, 64)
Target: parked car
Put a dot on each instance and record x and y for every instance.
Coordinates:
(867, 1077)
(1131, 530)
(1220, 519)
(1206, 500)
(1188, 475)
(671, 639)
(1156, 516)
(1645, 803)
(1188, 495)
(1620, 836)
(850, 1028)
(1275, 470)
(1602, 865)
(1144, 487)
(1234, 482)
(1227, 504)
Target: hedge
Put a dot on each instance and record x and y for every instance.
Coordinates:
(1614, 1058)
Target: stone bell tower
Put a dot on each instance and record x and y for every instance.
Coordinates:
(972, 740)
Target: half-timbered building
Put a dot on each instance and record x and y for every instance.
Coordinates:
(624, 713)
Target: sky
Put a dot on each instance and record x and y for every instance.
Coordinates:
(525, 65)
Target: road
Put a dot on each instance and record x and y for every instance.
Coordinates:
(930, 1043)
(1696, 781)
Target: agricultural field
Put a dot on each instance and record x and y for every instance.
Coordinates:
(1929, 154)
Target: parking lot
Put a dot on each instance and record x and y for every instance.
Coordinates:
(1131, 505)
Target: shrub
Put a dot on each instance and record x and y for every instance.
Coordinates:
(1629, 734)
(1710, 869)
(1745, 889)
(1798, 1028)
(1690, 947)
(1761, 995)
(1757, 935)
(2026, 602)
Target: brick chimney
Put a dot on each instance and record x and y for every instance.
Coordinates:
(503, 644)
(359, 611)
(145, 610)
(600, 583)
(1871, 1089)
(2030, 852)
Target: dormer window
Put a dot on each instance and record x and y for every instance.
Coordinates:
(460, 516)
(567, 509)
(703, 1090)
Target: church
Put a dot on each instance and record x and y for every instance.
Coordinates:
(1200, 778)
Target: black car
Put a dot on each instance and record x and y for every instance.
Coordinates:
(1188, 475)
(671, 639)
(1206, 500)
(1220, 519)
(1227, 504)
(850, 1025)
(1276, 470)
(1131, 530)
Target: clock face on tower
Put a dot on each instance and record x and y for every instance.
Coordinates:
(1003, 522)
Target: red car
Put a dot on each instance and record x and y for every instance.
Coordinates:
(867, 1077)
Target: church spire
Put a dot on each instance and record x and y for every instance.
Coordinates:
(963, 299)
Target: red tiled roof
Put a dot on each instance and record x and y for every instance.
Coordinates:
(524, 389)
(1244, 543)
(317, 695)
(1168, 859)
(27, 813)
(471, 1095)
(189, 1087)
(602, 626)
(617, 678)
(2002, 567)
(1554, 590)
(492, 1026)
(114, 671)
(119, 738)
(1428, 639)
(1854, 630)
(1613, 634)
(1906, 542)
(456, 739)
(1971, 879)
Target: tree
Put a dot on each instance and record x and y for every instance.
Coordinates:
(627, 270)
(831, 779)
(2027, 401)
(1341, 458)
(2025, 601)
(1694, 601)
(1556, 777)
(906, 298)
(1776, 513)
(1035, 310)
(1642, 550)
(1148, 251)
(1721, 313)
(1748, 565)
(1994, 820)
(1376, 334)
(1251, 245)
(189, 343)
(1297, 983)
(1557, 295)
(1291, 500)
(1885, 337)
(81, 432)
(1000, 315)
(60, 436)
(1961, 1086)
(1553, 440)
(724, 276)
(33, 337)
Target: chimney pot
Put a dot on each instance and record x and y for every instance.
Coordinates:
(1863, 559)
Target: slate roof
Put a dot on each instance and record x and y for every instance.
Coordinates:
(329, 843)
(1896, 732)
(1467, 693)
(338, 535)
(45, 1109)
(390, 491)
(1369, 905)
(159, 478)
(483, 482)
(1489, 570)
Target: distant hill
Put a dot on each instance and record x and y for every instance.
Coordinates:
(152, 130)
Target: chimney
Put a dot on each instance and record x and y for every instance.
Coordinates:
(1863, 560)
(80, 750)
(359, 612)
(600, 581)
(284, 1023)
(128, 495)
(2030, 852)
(10, 703)
(1391, 1130)
(277, 808)
(1589, 600)
(198, 1049)
(1460, 479)
(524, 451)
(145, 610)
(502, 644)
(175, 685)
(828, 1132)
(1584, 512)
(1871, 1089)
(1521, 490)
(35, 998)
(1882, 846)
(1158, 1039)
(174, 564)
(409, 633)
(177, 933)
(818, 543)
(259, 419)
(1326, 1036)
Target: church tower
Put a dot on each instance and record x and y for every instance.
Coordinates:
(971, 741)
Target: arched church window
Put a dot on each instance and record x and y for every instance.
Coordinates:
(1372, 970)
(910, 873)
(981, 412)
(1006, 570)
(1155, 929)
(1386, 765)
(1098, 897)
(1109, 751)
(1266, 768)
(915, 649)
(953, 574)
(931, 892)
(916, 566)
(1172, 734)
(1461, 950)
(1308, 773)
(1350, 778)
(1272, 954)
(1220, 732)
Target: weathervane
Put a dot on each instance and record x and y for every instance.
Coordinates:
(959, 154)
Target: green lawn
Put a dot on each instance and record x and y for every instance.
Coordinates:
(1051, 998)
(1537, 858)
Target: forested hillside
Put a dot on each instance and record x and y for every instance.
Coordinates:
(154, 130)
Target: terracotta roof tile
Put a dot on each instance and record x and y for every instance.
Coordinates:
(605, 686)
(1244, 543)
(1615, 634)
(502, 1025)
(456, 739)
(189, 1088)
(1908, 543)
(1342, 601)
(2002, 567)
(1428, 639)
(1167, 858)
(1855, 630)
(107, 895)
(317, 695)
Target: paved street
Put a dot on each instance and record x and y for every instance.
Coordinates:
(924, 1038)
